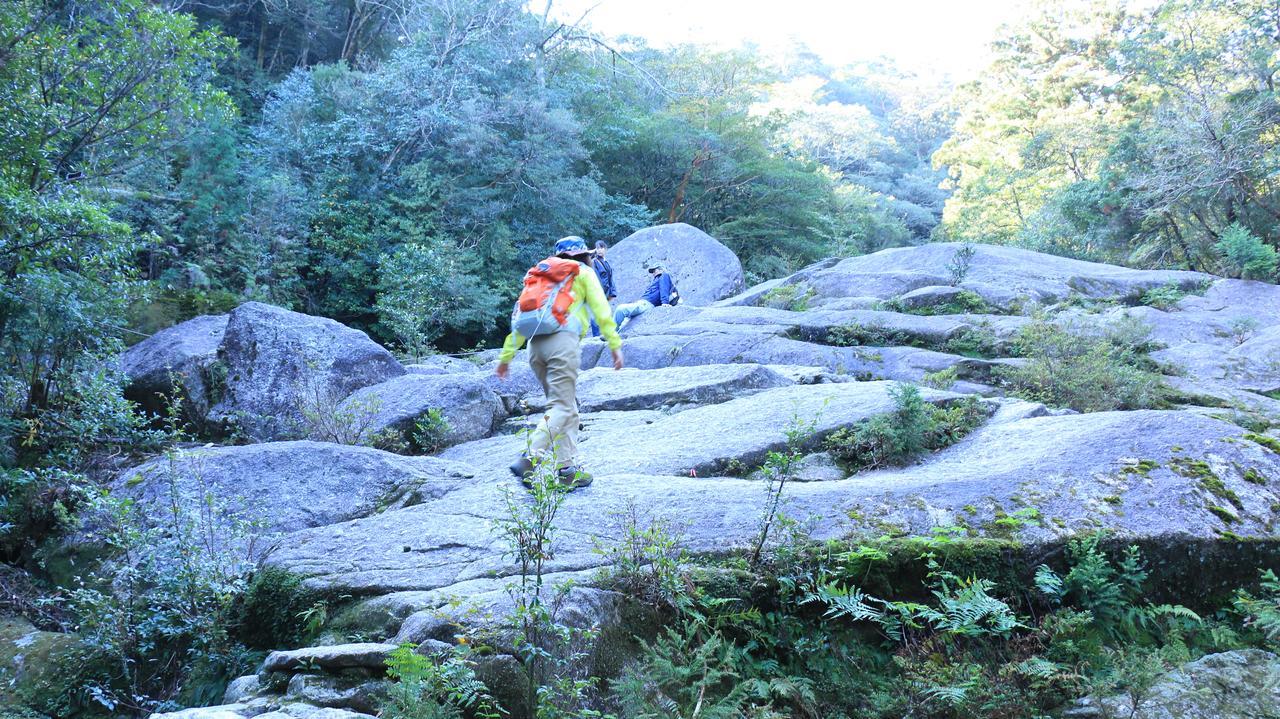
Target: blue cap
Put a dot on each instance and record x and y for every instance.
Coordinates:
(572, 245)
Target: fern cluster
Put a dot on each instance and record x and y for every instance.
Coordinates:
(435, 687)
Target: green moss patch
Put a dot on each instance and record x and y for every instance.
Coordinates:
(1214, 486)
(1270, 443)
(46, 672)
(1253, 476)
(1192, 468)
(1223, 514)
(1143, 467)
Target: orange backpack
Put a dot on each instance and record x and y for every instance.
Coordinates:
(543, 306)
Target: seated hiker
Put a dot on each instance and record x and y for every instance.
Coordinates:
(604, 271)
(551, 314)
(661, 291)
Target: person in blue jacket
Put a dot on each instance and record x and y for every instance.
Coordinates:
(661, 291)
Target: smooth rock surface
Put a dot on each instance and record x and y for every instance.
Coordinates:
(291, 485)
(242, 688)
(931, 296)
(703, 269)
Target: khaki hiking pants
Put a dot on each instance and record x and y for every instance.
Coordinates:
(555, 359)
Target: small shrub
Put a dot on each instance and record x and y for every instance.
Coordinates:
(1241, 329)
(1084, 369)
(326, 417)
(913, 427)
(271, 613)
(979, 341)
(430, 432)
(645, 561)
(1246, 256)
(778, 470)
(163, 608)
(958, 267)
(35, 505)
(855, 335)
(1262, 612)
(1164, 297)
(789, 297)
(942, 379)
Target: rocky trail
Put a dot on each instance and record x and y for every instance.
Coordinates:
(709, 391)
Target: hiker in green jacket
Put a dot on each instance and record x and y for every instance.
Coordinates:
(555, 354)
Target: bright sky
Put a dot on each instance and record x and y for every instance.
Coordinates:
(944, 36)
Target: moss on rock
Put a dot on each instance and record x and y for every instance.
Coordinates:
(45, 672)
(1270, 443)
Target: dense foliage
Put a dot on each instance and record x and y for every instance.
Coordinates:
(1139, 133)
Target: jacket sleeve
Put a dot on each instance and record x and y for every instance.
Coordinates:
(589, 286)
(610, 289)
(510, 346)
(664, 289)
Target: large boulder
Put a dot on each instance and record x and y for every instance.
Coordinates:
(703, 269)
(287, 486)
(281, 365)
(180, 357)
(471, 409)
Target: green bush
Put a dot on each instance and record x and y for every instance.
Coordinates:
(964, 302)
(1086, 369)
(871, 335)
(1165, 297)
(913, 427)
(270, 614)
(958, 266)
(979, 341)
(1246, 255)
(35, 505)
(162, 607)
(789, 297)
(429, 433)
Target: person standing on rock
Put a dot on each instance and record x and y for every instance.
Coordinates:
(552, 315)
(604, 271)
(661, 291)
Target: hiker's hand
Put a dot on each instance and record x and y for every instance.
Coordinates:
(617, 359)
(503, 369)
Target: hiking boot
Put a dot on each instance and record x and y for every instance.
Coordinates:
(574, 477)
(522, 468)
